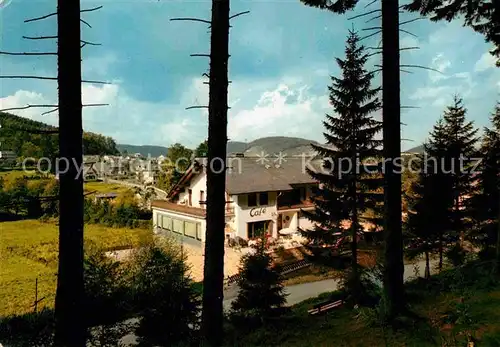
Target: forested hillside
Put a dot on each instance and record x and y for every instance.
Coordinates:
(29, 138)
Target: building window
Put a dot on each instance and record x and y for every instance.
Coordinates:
(252, 200)
(190, 229)
(198, 231)
(178, 226)
(167, 223)
(263, 199)
(190, 197)
(257, 229)
(302, 193)
(202, 198)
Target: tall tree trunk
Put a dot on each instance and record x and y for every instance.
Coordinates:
(354, 222)
(70, 327)
(440, 250)
(427, 274)
(394, 268)
(497, 262)
(212, 314)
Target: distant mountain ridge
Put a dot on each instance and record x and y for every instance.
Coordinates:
(270, 145)
(153, 151)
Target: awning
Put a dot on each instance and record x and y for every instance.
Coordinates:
(287, 231)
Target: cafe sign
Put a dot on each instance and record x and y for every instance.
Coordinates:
(257, 211)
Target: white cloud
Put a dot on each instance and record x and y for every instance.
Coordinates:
(485, 62)
(98, 65)
(439, 63)
(258, 108)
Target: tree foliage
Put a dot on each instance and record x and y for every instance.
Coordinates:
(202, 150)
(178, 160)
(165, 293)
(483, 16)
(20, 135)
(261, 291)
(350, 186)
(486, 203)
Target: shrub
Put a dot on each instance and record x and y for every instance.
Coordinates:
(261, 291)
(164, 294)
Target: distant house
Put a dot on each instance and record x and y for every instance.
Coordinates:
(8, 158)
(105, 196)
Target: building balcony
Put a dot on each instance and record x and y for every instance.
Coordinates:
(294, 204)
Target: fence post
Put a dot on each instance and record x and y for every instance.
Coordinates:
(36, 294)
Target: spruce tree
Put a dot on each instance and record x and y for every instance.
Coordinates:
(448, 159)
(261, 292)
(461, 140)
(427, 213)
(349, 186)
(486, 204)
(391, 124)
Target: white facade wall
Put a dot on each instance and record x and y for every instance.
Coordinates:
(245, 214)
(198, 184)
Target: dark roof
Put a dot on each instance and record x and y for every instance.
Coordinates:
(251, 175)
(195, 211)
(106, 195)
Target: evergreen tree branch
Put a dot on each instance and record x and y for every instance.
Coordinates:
(45, 78)
(408, 32)
(377, 17)
(410, 21)
(238, 14)
(86, 23)
(368, 36)
(40, 37)
(91, 9)
(28, 53)
(51, 111)
(421, 67)
(40, 18)
(45, 106)
(364, 14)
(195, 107)
(55, 14)
(90, 43)
(191, 19)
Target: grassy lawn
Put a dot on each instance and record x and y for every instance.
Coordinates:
(101, 187)
(352, 327)
(29, 249)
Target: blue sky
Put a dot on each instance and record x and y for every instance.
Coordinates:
(282, 54)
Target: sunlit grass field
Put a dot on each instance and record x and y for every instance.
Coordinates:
(29, 250)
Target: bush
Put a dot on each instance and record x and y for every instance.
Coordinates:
(456, 255)
(261, 292)
(165, 295)
(31, 329)
(106, 289)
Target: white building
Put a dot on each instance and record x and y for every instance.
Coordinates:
(259, 198)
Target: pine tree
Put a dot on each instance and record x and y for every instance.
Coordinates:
(349, 188)
(261, 292)
(461, 145)
(427, 214)
(449, 153)
(391, 124)
(486, 204)
(435, 158)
